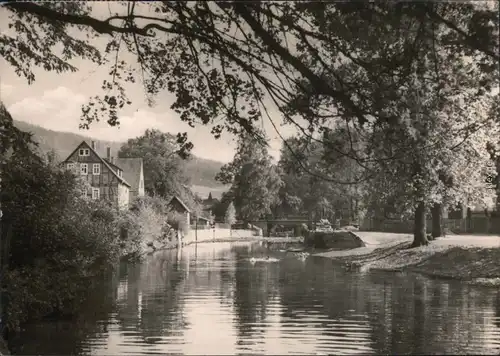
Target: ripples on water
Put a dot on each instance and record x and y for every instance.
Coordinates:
(210, 299)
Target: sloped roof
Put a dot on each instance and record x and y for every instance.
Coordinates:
(120, 179)
(175, 197)
(112, 165)
(131, 168)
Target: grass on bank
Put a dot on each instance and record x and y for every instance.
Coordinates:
(474, 264)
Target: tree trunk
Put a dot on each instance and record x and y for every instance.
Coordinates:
(420, 227)
(437, 219)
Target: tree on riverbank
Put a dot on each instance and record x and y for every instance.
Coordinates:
(436, 152)
(230, 215)
(317, 62)
(162, 157)
(303, 192)
(433, 108)
(54, 243)
(254, 180)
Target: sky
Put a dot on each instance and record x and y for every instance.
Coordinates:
(54, 102)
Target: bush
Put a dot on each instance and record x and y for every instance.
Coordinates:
(146, 224)
(157, 203)
(177, 221)
(58, 243)
(130, 233)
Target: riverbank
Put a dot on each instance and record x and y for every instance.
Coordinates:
(149, 248)
(471, 258)
(269, 240)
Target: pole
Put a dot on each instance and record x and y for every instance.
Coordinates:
(196, 231)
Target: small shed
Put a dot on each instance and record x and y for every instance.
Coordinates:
(203, 220)
(179, 206)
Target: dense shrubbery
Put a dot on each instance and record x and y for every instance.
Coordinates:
(149, 222)
(54, 242)
(177, 221)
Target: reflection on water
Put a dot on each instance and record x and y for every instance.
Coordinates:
(210, 299)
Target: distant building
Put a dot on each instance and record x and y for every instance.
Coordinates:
(180, 207)
(133, 172)
(203, 221)
(118, 182)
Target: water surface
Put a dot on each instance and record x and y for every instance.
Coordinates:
(209, 299)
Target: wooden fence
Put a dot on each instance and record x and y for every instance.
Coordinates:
(212, 234)
(208, 227)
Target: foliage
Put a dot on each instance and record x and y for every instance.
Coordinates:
(219, 207)
(305, 193)
(131, 241)
(11, 138)
(230, 216)
(163, 172)
(444, 158)
(401, 71)
(424, 126)
(255, 181)
(177, 221)
(147, 222)
(57, 242)
(195, 49)
(155, 202)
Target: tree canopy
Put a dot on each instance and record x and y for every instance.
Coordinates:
(307, 194)
(415, 80)
(163, 168)
(254, 179)
(230, 215)
(222, 58)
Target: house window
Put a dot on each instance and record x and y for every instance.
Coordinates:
(84, 168)
(70, 165)
(84, 152)
(96, 169)
(95, 193)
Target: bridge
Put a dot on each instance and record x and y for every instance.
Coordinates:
(287, 223)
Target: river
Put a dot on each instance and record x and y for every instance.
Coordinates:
(209, 299)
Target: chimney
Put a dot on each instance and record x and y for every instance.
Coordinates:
(92, 144)
(108, 153)
(113, 160)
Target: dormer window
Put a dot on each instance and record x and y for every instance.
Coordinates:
(84, 152)
(120, 173)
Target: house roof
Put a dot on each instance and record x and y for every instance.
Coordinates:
(120, 179)
(181, 202)
(131, 168)
(112, 165)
